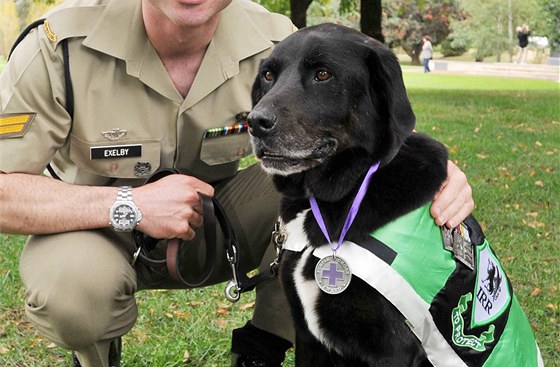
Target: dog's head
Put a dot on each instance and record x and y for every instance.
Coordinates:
(324, 93)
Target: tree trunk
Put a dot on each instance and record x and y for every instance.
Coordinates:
(370, 19)
(298, 12)
(414, 53)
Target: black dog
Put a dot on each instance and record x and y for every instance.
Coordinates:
(331, 115)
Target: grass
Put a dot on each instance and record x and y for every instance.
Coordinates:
(502, 132)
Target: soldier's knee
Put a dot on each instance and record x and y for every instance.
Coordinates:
(76, 317)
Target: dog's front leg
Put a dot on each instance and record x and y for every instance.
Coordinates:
(310, 352)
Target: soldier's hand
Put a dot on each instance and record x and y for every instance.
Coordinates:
(171, 207)
(454, 202)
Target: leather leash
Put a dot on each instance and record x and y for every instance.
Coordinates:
(212, 213)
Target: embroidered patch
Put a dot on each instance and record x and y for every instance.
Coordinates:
(492, 290)
(458, 335)
(14, 125)
(116, 151)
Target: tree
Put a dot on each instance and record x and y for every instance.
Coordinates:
(370, 12)
(550, 12)
(371, 16)
(407, 21)
(489, 27)
(9, 28)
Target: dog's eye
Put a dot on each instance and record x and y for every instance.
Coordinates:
(322, 75)
(268, 76)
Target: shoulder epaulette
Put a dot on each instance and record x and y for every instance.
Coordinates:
(275, 26)
(71, 22)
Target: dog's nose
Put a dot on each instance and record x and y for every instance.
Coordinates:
(260, 122)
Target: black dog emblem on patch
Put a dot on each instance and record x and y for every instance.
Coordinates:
(493, 281)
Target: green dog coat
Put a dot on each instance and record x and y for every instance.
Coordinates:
(458, 302)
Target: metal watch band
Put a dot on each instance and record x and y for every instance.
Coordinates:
(124, 193)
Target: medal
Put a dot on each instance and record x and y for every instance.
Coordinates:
(332, 273)
(457, 241)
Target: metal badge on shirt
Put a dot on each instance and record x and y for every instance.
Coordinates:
(114, 134)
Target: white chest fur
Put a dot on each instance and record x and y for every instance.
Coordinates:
(308, 293)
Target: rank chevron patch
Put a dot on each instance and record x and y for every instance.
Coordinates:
(15, 125)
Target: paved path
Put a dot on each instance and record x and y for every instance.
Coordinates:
(530, 71)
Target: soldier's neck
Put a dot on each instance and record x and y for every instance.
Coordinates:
(180, 48)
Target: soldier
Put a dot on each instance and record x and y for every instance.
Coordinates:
(105, 93)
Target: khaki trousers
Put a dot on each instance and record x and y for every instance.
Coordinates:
(80, 286)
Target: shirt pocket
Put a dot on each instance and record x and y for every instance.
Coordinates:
(126, 158)
(221, 149)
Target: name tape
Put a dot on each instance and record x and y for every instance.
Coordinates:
(116, 151)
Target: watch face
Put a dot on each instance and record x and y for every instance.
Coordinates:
(124, 217)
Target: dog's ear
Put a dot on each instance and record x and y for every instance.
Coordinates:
(390, 98)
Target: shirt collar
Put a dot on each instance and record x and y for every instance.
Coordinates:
(125, 38)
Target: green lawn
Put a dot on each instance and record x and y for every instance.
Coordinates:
(504, 133)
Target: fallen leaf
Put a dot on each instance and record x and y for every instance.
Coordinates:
(222, 312)
(168, 315)
(533, 214)
(534, 224)
(539, 183)
(186, 357)
(195, 303)
(453, 150)
(181, 315)
(536, 292)
(223, 324)
(552, 307)
(538, 143)
(223, 305)
(247, 306)
(481, 156)
(4, 350)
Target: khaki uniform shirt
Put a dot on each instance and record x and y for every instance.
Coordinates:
(129, 119)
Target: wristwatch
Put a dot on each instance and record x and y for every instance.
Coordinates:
(124, 216)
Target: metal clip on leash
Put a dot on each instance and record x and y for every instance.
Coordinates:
(240, 282)
(233, 291)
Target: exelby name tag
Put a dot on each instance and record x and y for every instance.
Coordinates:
(116, 151)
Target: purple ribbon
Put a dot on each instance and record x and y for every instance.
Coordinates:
(351, 213)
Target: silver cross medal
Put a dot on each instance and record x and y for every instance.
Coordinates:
(333, 274)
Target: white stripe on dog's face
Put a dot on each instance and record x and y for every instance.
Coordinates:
(308, 293)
